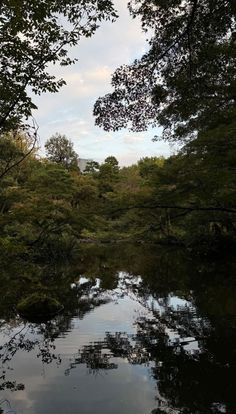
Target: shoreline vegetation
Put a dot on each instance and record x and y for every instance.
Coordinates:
(39, 289)
(49, 210)
(47, 206)
(184, 84)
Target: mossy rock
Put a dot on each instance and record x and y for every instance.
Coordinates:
(38, 307)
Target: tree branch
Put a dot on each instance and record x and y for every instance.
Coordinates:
(186, 31)
(190, 23)
(6, 171)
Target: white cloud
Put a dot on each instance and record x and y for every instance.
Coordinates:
(134, 139)
(99, 74)
(70, 111)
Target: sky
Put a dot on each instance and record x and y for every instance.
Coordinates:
(70, 111)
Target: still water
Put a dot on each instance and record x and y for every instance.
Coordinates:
(142, 331)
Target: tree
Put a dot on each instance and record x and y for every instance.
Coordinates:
(149, 166)
(111, 160)
(41, 218)
(15, 147)
(186, 81)
(108, 174)
(60, 150)
(33, 35)
(92, 167)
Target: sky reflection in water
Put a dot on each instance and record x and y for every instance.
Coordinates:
(123, 350)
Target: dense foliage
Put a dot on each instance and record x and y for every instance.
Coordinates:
(47, 205)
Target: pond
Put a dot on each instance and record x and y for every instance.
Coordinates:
(143, 330)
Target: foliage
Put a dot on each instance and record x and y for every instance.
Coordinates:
(59, 149)
(35, 34)
(48, 206)
(186, 81)
(92, 167)
(15, 147)
(108, 174)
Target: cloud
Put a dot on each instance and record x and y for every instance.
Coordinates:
(70, 111)
(133, 139)
(100, 74)
(86, 83)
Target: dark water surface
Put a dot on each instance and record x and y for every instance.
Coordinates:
(143, 330)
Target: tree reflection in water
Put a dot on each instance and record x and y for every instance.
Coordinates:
(25, 336)
(190, 379)
(188, 346)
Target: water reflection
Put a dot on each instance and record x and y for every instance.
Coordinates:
(155, 330)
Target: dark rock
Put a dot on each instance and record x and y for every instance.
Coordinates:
(39, 307)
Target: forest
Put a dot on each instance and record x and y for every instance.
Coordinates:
(48, 207)
(185, 83)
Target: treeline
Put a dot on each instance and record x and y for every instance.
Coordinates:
(184, 83)
(47, 206)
